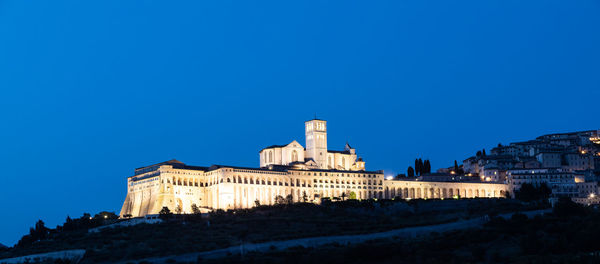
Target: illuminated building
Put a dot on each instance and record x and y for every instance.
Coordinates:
(286, 171)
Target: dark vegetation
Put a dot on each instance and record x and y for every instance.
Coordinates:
(529, 192)
(193, 233)
(421, 167)
(40, 232)
(567, 235)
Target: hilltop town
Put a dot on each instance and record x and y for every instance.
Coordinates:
(567, 163)
(563, 165)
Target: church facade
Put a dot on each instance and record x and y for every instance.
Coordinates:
(289, 171)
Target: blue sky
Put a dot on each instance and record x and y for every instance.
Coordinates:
(91, 90)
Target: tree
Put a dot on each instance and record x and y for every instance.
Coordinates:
(410, 171)
(178, 209)
(565, 207)
(256, 203)
(417, 167)
(304, 197)
(483, 152)
(528, 192)
(40, 232)
(105, 215)
(544, 191)
(279, 199)
(195, 209)
(421, 167)
(165, 213)
(455, 166)
(352, 196)
(289, 199)
(478, 153)
(426, 167)
(343, 196)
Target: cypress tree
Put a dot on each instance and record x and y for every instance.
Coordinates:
(410, 172)
(427, 166)
(417, 167)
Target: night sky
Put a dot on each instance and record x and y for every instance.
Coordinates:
(90, 91)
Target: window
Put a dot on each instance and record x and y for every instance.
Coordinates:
(343, 162)
(294, 156)
(270, 156)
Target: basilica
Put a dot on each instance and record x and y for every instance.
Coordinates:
(294, 172)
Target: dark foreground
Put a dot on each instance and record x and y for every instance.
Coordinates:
(499, 241)
(567, 235)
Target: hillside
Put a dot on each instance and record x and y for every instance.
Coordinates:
(191, 233)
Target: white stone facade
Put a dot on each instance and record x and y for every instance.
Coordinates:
(286, 171)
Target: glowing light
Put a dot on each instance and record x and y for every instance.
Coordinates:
(592, 195)
(452, 172)
(389, 178)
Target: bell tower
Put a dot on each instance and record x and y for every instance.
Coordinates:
(316, 141)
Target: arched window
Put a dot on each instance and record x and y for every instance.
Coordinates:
(344, 162)
(270, 156)
(330, 163)
(294, 156)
